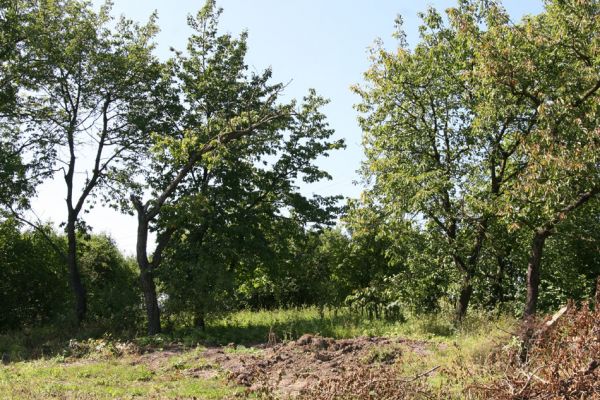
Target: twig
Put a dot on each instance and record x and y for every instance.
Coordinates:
(422, 374)
(529, 377)
(505, 331)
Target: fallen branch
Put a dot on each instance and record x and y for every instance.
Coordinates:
(423, 374)
(406, 380)
(530, 377)
(509, 332)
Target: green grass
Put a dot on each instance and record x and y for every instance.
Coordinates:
(242, 350)
(252, 327)
(460, 361)
(248, 328)
(124, 377)
(108, 368)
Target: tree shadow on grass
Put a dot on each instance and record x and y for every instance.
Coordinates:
(222, 332)
(50, 341)
(250, 330)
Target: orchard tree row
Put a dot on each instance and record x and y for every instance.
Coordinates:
(484, 141)
(481, 171)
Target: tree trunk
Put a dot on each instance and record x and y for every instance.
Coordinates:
(150, 302)
(533, 271)
(537, 248)
(464, 297)
(199, 321)
(146, 277)
(497, 285)
(74, 275)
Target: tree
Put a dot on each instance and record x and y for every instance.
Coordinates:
(371, 253)
(34, 283)
(431, 157)
(487, 126)
(33, 288)
(12, 23)
(571, 263)
(114, 297)
(14, 185)
(389, 264)
(233, 223)
(550, 61)
(216, 106)
(87, 87)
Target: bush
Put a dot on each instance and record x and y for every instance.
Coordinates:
(114, 297)
(33, 279)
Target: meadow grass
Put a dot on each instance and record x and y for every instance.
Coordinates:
(121, 378)
(104, 375)
(99, 369)
(252, 327)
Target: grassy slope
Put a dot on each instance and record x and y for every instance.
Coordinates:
(95, 370)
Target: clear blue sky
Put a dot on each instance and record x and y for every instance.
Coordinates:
(319, 44)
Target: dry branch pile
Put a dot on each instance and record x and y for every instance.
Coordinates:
(562, 359)
(371, 383)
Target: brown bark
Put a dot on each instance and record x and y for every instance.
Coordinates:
(533, 271)
(74, 274)
(464, 298)
(146, 276)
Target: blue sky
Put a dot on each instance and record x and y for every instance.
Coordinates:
(319, 44)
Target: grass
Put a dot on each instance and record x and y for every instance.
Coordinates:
(251, 327)
(123, 377)
(49, 365)
(248, 328)
(461, 356)
(460, 361)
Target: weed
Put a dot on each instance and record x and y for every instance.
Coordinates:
(241, 350)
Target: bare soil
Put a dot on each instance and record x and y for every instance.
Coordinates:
(290, 369)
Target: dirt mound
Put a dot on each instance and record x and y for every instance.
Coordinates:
(290, 369)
